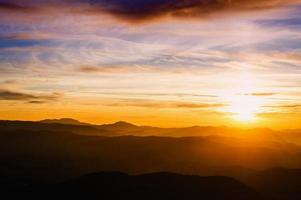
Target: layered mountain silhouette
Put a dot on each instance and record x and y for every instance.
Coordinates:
(122, 128)
(69, 121)
(155, 186)
(55, 153)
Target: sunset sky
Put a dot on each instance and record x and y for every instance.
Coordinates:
(167, 63)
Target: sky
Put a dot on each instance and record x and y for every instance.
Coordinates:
(168, 63)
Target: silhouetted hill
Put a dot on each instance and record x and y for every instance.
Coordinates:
(159, 186)
(120, 128)
(278, 183)
(119, 125)
(64, 121)
(123, 128)
(271, 184)
(156, 186)
(23, 126)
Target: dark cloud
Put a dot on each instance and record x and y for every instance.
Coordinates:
(142, 10)
(12, 7)
(36, 102)
(19, 96)
(137, 10)
(9, 95)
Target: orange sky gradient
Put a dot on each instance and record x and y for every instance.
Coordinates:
(232, 64)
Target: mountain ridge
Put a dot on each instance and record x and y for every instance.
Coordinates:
(152, 186)
(122, 128)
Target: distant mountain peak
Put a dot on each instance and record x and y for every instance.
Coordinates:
(63, 121)
(120, 125)
(123, 124)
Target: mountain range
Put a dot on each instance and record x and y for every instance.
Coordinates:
(122, 128)
(155, 186)
(59, 153)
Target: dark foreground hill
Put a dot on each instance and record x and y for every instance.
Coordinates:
(156, 186)
(277, 183)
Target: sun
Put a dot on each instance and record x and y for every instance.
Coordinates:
(243, 104)
(244, 107)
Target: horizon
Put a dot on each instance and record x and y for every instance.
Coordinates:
(147, 125)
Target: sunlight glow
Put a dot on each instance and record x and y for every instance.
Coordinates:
(244, 104)
(245, 108)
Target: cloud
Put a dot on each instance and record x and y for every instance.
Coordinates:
(137, 10)
(282, 23)
(292, 106)
(26, 36)
(261, 94)
(9, 95)
(13, 7)
(280, 115)
(155, 94)
(105, 69)
(288, 106)
(197, 105)
(146, 103)
(31, 98)
(118, 69)
(36, 102)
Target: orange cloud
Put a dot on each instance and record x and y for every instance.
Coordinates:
(163, 104)
(261, 94)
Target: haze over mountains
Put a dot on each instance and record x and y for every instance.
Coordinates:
(122, 128)
(52, 151)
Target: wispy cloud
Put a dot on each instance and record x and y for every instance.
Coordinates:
(13, 7)
(146, 103)
(288, 106)
(261, 94)
(9, 95)
(20, 96)
(114, 69)
(282, 23)
(37, 102)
